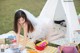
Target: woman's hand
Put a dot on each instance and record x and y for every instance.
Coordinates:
(18, 39)
(21, 25)
(21, 21)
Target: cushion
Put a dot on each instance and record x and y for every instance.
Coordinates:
(67, 49)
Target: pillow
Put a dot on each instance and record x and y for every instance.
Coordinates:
(67, 49)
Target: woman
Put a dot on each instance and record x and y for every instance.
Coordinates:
(34, 29)
(23, 19)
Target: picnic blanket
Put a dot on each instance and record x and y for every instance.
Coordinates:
(48, 49)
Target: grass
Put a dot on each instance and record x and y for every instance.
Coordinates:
(77, 5)
(8, 8)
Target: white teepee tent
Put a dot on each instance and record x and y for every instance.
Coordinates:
(62, 9)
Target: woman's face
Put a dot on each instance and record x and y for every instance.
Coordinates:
(21, 20)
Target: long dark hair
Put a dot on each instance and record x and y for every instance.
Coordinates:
(19, 14)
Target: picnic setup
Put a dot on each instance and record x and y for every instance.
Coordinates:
(57, 30)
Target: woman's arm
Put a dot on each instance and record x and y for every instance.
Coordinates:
(25, 28)
(18, 34)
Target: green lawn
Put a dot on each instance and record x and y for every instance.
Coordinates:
(8, 8)
(77, 5)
